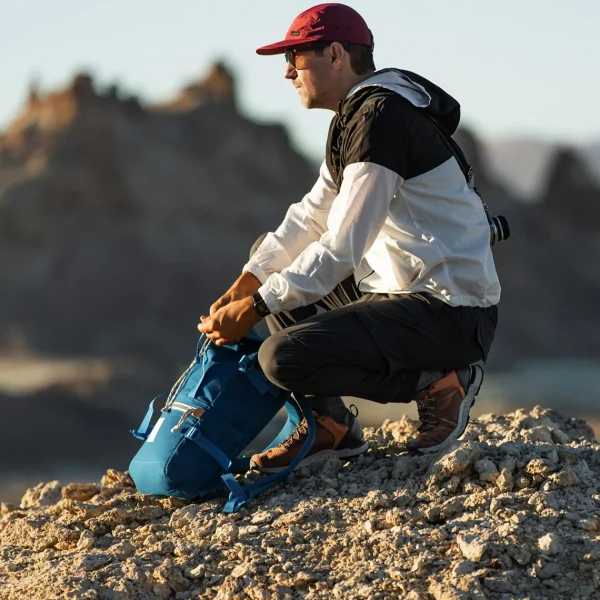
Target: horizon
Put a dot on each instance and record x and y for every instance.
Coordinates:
(510, 92)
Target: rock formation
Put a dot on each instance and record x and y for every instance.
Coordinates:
(120, 224)
(512, 512)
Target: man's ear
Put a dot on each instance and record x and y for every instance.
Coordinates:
(337, 51)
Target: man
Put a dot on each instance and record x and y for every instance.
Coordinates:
(392, 241)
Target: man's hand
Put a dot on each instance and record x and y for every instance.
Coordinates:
(230, 323)
(245, 285)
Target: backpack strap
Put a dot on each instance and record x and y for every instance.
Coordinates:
(294, 417)
(145, 427)
(241, 495)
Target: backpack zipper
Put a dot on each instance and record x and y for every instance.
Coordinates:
(187, 412)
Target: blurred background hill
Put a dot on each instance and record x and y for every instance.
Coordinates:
(122, 219)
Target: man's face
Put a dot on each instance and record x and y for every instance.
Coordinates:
(312, 74)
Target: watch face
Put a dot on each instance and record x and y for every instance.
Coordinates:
(260, 306)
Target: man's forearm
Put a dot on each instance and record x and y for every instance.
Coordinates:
(245, 285)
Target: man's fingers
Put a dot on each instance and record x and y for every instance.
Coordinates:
(205, 327)
(218, 304)
(211, 335)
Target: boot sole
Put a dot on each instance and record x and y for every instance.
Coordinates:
(463, 417)
(321, 456)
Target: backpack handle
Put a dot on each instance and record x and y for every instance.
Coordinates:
(145, 427)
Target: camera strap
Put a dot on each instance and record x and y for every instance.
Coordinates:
(461, 159)
(454, 148)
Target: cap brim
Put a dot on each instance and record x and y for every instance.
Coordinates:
(281, 47)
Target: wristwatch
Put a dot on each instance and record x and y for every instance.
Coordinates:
(259, 304)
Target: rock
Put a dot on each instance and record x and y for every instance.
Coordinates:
(508, 462)
(331, 467)
(520, 554)
(545, 570)
(592, 524)
(257, 593)
(539, 466)
(43, 494)
(472, 546)
(227, 533)
(302, 578)
(495, 505)
(184, 516)
(116, 479)
(86, 541)
(463, 567)
(403, 466)
(549, 543)
(7, 507)
(439, 513)
(564, 479)
(583, 472)
(92, 562)
(248, 530)
(442, 591)
(499, 584)
(376, 499)
(457, 461)
(560, 437)
(505, 480)
(198, 571)
(419, 535)
(261, 518)
(80, 491)
(241, 571)
(539, 434)
(487, 470)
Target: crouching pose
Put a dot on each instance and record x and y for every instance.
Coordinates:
(380, 282)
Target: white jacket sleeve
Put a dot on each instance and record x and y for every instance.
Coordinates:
(305, 222)
(356, 217)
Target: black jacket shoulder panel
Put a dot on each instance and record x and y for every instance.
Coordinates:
(378, 125)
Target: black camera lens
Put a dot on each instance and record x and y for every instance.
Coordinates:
(499, 229)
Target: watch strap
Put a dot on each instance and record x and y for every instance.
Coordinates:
(259, 304)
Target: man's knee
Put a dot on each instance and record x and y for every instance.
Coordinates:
(280, 360)
(257, 243)
(269, 358)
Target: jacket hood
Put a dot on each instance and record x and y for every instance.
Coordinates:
(420, 92)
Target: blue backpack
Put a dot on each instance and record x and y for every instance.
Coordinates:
(214, 411)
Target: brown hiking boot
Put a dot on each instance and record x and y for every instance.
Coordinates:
(444, 408)
(331, 439)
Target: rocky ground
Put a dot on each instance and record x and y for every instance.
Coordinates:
(512, 512)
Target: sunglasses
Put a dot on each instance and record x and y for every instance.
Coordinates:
(291, 54)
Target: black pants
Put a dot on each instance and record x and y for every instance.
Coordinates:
(372, 346)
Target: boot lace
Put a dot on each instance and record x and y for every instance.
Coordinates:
(427, 412)
(298, 434)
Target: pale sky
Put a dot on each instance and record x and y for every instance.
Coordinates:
(520, 68)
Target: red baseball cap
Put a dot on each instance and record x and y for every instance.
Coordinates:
(330, 22)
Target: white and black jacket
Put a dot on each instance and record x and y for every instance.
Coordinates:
(391, 205)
